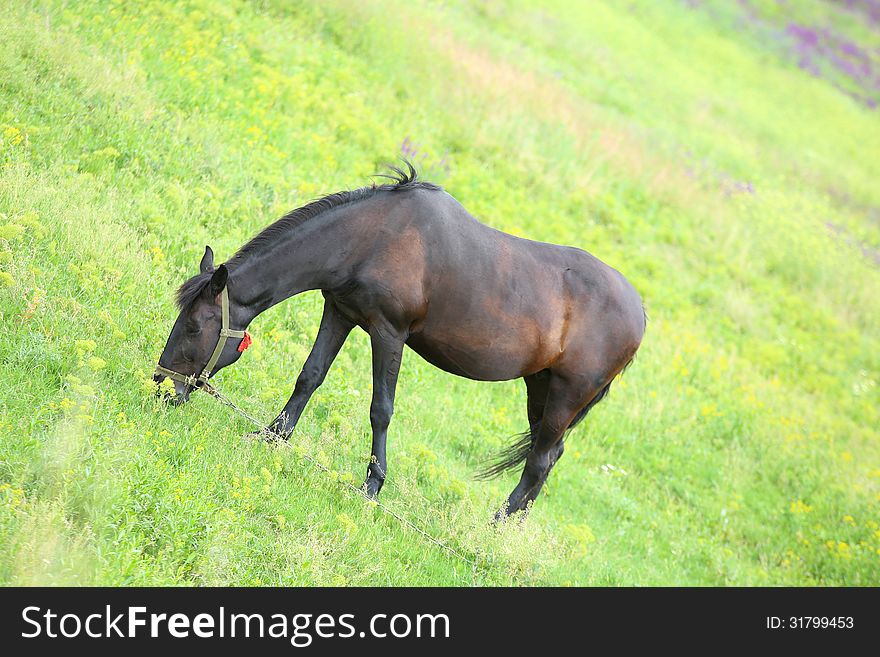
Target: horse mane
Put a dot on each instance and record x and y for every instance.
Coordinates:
(401, 181)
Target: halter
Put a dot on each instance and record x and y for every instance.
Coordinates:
(225, 333)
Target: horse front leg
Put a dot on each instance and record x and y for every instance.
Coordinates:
(332, 333)
(387, 355)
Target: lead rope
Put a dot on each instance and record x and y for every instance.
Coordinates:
(223, 399)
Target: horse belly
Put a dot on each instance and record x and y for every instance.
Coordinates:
(492, 323)
(483, 350)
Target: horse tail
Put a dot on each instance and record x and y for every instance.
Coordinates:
(512, 456)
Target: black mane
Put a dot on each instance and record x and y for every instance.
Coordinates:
(401, 181)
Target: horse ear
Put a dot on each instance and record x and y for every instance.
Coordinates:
(218, 280)
(207, 263)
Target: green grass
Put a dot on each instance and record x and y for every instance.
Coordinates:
(743, 441)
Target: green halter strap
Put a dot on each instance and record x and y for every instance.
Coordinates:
(225, 334)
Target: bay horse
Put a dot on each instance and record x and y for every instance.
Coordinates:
(409, 265)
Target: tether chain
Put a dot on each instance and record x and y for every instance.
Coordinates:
(278, 440)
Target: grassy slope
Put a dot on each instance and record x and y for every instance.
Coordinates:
(746, 429)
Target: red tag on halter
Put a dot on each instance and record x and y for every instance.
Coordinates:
(245, 342)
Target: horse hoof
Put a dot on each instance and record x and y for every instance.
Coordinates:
(372, 487)
(500, 517)
(505, 514)
(264, 435)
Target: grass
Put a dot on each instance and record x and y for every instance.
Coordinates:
(734, 189)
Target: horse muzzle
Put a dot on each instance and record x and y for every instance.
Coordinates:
(181, 394)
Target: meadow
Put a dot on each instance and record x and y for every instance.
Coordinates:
(723, 156)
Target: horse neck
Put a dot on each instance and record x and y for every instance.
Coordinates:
(305, 259)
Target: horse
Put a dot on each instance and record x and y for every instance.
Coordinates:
(406, 263)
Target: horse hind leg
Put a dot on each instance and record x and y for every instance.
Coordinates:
(566, 405)
(537, 386)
